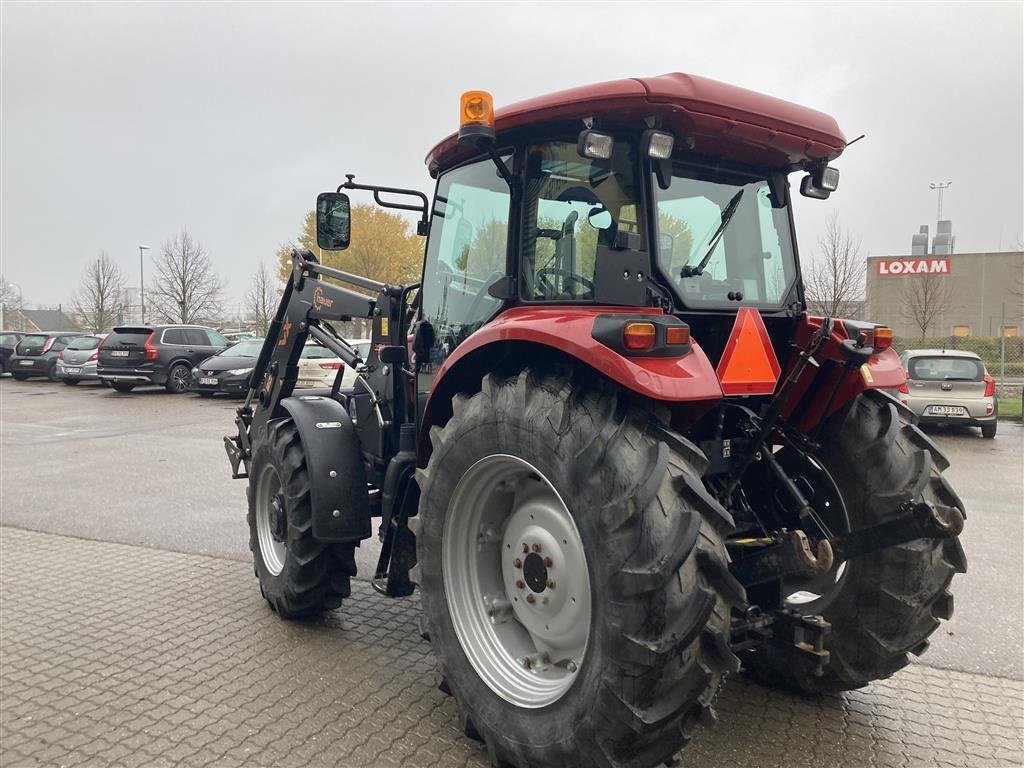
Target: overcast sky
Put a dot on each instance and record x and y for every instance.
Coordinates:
(123, 123)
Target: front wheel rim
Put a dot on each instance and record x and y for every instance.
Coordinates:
(269, 513)
(516, 581)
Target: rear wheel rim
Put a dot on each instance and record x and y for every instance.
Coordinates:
(516, 581)
(179, 379)
(269, 515)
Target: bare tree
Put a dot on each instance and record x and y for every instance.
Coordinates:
(11, 306)
(835, 280)
(261, 298)
(924, 299)
(185, 289)
(100, 293)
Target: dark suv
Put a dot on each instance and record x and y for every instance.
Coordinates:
(156, 354)
(36, 354)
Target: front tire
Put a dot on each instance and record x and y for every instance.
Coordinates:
(611, 509)
(885, 604)
(299, 576)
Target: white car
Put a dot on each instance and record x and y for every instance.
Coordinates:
(318, 365)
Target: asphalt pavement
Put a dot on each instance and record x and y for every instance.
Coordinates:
(147, 469)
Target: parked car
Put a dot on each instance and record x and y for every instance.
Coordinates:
(227, 372)
(8, 341)
(36, 354)
(156, 354)
(318, 366)
(77, 362)
(949, 387)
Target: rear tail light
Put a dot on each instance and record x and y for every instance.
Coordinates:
(94, 356)
(903, 386)
(990, 386)
(639, 336)
(48, 344)
(330, 366)
(60, 355)
(151, 352)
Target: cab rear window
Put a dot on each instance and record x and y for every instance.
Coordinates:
(946, 369)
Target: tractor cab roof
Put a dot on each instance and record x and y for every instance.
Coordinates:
(707, 117)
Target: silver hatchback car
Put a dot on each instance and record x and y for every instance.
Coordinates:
(947, 386)
(77, 362)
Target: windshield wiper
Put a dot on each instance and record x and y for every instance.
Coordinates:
(727, 215)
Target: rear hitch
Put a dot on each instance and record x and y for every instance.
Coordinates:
(786, 638)
(790, 553)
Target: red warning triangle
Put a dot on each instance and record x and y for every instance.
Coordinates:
(748, 365)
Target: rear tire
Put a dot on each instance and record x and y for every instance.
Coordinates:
(651, 552)
(988, 431)
(20, 376)
(886, 603)
(299, 576)
(51, 373)
(178, 379)
(121, 386)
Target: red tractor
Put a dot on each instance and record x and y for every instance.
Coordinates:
(603, 436)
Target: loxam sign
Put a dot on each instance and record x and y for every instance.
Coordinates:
(913, 267)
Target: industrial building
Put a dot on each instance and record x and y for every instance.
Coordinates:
(936, 292)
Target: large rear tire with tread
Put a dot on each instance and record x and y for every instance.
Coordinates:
(653, 555)
(299, 576)
(885, 604)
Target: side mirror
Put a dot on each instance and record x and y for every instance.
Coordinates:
(820, 183)
(333, 221)
(600, 218)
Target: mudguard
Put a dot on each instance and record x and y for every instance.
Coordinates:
(334, 461)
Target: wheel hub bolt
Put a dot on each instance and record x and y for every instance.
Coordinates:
(528, 662)
(551, 584)
(571, 666)
(548, 562)
(536, 547)
(531, 599)
(520, 584)
(526, 548)
(517, 563)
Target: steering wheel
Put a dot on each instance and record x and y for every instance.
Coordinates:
(549, 287)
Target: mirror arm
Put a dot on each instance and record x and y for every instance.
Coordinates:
(502, 169)
(423, 224)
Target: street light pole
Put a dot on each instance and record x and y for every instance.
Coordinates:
(142, 285)
(940, 186)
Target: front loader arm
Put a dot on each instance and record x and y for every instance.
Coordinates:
(306, 303)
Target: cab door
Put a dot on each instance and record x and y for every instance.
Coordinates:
(466, 254)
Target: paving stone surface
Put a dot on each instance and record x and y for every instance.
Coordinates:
(116, 655)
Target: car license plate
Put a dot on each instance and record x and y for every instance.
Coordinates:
(947, 410)
(119, 353)
(72, 371)
(207, 382)
(27, 362)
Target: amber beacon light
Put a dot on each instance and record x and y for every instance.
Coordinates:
(476, 117)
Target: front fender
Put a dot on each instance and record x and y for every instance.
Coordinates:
(334, 461)
(567, 330)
